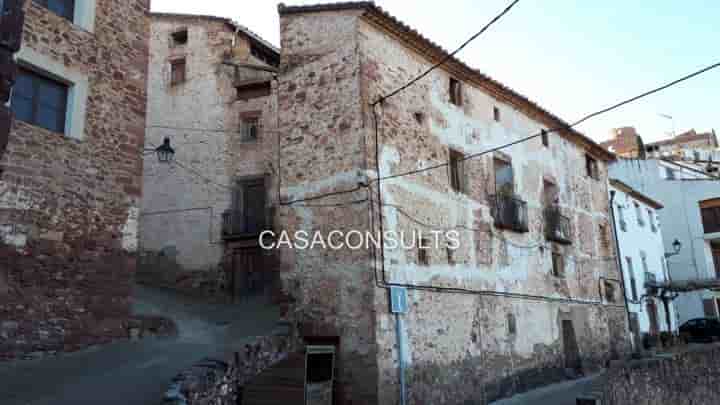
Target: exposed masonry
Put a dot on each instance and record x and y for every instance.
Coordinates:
(69, 203)
(181, 240)
(334, 62)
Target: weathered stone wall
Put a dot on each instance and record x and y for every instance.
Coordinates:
(183, 203)
(221, 381)
(322, 151)
(445, 346)
(69, 207)
(688, 377)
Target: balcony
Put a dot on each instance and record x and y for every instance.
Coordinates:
(510, 213)
(557, 226)
(239, 224)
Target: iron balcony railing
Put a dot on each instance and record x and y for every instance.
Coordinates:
(557, 226)
(237, 223)
(510, 212)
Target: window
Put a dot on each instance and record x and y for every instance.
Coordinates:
(496, 114)
(457, 171)
(40, 101)
(179, 38)
(558, 265)
(248, 212)
(669, 174)
(177, 71)
(63, 8)
(551, 194)
(450, 255)
(511, 324)
(545, 139)
(419, 117)
(710, 214)
(631, 272)
(651, 219)
(504, 178)
(639, 214)
(250, 129)
(455, 92)
(423, 256)
(621, 218)
(591, 167)
(609, 291)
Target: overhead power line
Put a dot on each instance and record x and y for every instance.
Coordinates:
(449, 56)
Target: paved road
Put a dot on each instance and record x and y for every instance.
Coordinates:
(136, 373)
(564, 393)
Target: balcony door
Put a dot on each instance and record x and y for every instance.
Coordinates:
(248, 206)
(716, 259)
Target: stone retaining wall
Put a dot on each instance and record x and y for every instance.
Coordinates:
(220, 381)
(689, 377)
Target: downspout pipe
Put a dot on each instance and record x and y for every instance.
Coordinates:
(618, 256)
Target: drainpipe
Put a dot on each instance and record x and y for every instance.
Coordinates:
(619, 263)
(401, 356)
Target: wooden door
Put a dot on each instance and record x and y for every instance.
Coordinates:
(248, 277)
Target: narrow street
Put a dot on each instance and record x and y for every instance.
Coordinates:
(137, 372)
(565, 393)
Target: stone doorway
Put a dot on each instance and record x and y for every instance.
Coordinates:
(571, 350)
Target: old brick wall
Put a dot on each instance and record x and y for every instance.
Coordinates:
(687, 377)
(446, 348)
(322, 151)
(68, 207)
(181, 223)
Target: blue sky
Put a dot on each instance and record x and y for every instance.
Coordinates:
(573, 57)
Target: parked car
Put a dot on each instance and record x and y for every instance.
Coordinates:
(701, 329)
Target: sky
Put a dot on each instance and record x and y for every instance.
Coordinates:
(572, 57)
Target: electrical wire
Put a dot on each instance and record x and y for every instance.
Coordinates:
(449, 56)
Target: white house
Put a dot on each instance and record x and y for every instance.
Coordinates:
(691, 216)
(642, 256)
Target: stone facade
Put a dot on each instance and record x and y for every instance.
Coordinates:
(336, 60)
(69, 203)
(182, 240)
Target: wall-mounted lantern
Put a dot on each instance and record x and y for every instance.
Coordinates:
(677, 245)
(164, 152)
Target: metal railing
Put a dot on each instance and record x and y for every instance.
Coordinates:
(510, 212)
(557, 226)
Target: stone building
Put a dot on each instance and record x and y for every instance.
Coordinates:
(530, 296)
(71, 176)
(523, 298)
(218, 116)
(626, 142)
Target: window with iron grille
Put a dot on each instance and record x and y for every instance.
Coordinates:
(63, 8)
(178, 72)
(457, 171)
(250, 129)
(511, 324)
(609, 291)
(558, 265)
(40, 101)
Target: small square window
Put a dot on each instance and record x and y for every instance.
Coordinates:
(178, 69)
(545, 139)
(250, 129)
(496, 114)
(179, 38)
(457, 171)
(558, 265)
(456, 92)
